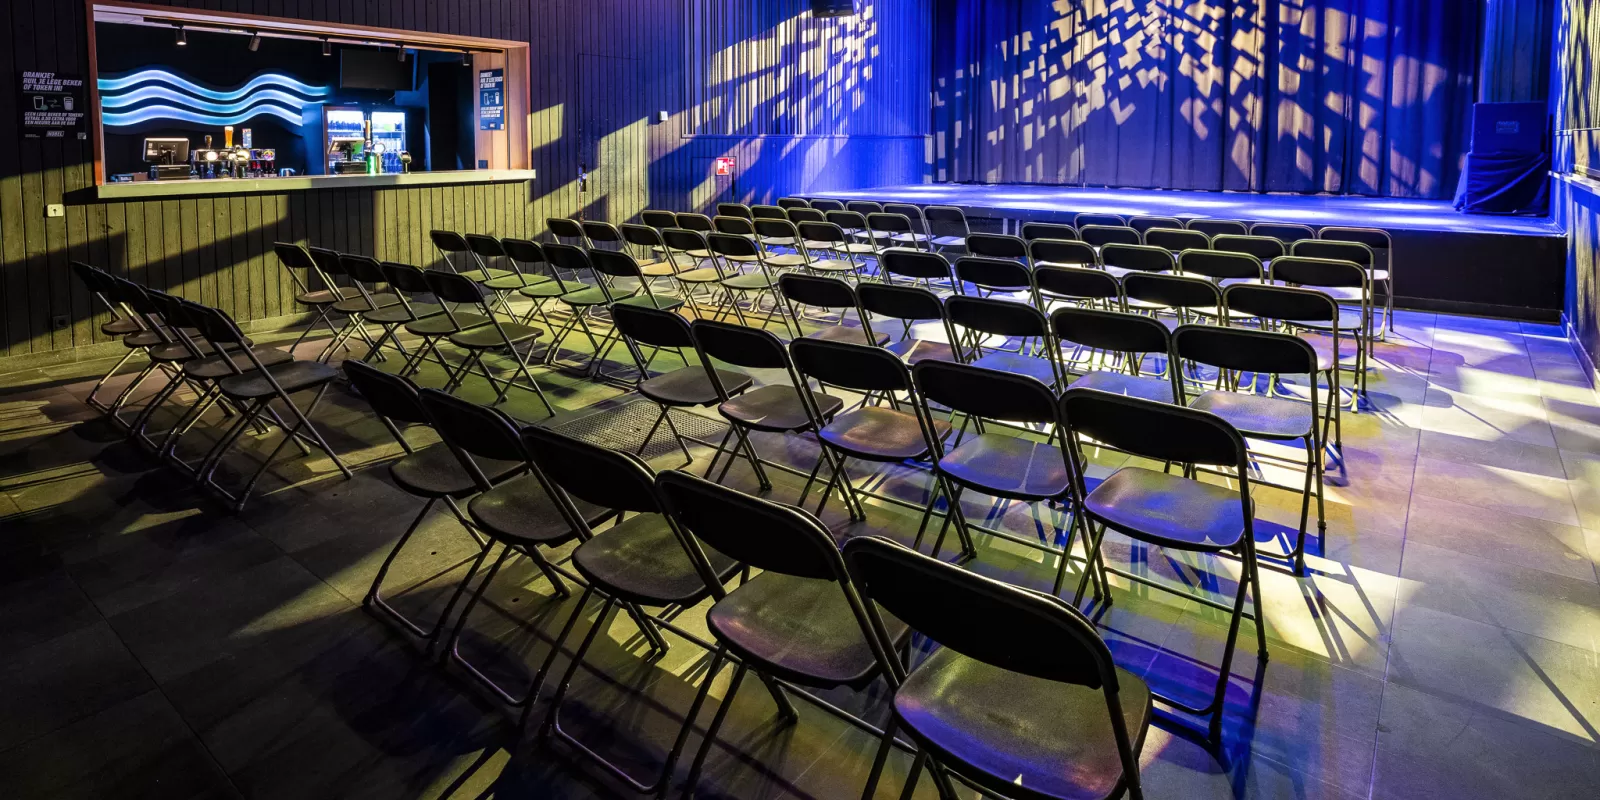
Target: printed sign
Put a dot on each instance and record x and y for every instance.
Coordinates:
(51, 106)
(722, 166)
(491, 99)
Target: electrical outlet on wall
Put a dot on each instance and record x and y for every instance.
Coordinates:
(661, 116)
(60, 322)
(55, 210)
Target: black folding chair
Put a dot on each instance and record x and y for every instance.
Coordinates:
(986, 318)
(1222, 268)
(1125, 337)
(947, 225)
(313, 290)
(1301, 311)
(1034, 231)
(456, 250)
(1337, 279)
(827, 237)
(584, 301)
(995, 245)
(1176, 241)
(1286, 232)
(830, 294)
(793, 202)
(1381, 244)
(686, 387)
(1099, 236)
(1170, 511)
(1264, 248)
(1103, 220)
(493, 334)
(1054, 719)
(1145, 224)
(911, 305)
(1218, 227)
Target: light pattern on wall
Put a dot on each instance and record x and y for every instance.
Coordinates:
(155, 94)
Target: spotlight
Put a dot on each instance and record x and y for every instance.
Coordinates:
(182, 37)
(400, 54)
(466, 58)
(255, 41)
(327, 47)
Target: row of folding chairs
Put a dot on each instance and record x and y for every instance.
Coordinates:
(188, 345)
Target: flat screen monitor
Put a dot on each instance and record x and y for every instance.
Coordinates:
(374, 69)
(166, 151)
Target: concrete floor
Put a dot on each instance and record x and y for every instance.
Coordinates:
(155, 646)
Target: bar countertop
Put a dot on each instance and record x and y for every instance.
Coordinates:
(139, 190)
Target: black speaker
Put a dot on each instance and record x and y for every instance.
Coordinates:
(835, 8)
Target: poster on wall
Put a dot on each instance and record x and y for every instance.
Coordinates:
(51, 106)
(491, 99)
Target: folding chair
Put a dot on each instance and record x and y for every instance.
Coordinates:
(991, 317)
(734, 210)
(1286, 232)
(1101, 220)
(1264, 248)
(1100, 236)
(825, 204)
(1299, 311)
(586, 301)
(1222, 268)
(431, 323)
(1176, 241)
(454, 247)
(792, 202)
(1128, 339)
(1218, 227)
(1339, 280)
(566, 231)
(527, 256)
(1144, 224)
(1034, 231)
(947, 225)
(734, 250)
(686, 387)
(828, 237)
(910, 305)
(123, 323)
(831, 294)
(493, 334)
(1359, 252)
(319, 301)
(995, 245)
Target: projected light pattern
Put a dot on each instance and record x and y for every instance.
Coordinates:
(270, 94)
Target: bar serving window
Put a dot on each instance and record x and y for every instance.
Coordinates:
(191, 95)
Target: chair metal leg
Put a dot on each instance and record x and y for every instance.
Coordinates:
(374, 599)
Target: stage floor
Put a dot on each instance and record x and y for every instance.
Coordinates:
(1014, 200)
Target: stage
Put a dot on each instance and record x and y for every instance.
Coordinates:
(1444, 260)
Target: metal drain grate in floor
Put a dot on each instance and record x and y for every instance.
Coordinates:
(624, 428)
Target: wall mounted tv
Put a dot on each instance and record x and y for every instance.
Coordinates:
(374, 69)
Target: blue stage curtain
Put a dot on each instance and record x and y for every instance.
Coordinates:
(1346, 96)
(1516, 51)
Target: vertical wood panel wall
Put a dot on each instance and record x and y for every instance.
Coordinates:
(852, 111)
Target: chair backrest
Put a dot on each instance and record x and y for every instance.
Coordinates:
(864, 207)
(695, 222)
(995, 245)
(885, 222)
(1062, 252)
(448, 242)
(391, 396)
(799, 214)
(484, 245)
(1143, 223)
(824, 232)
(914, 264)
(1219, 227)
(453, 288)
(857, 367)
(1220, 266)
(848, 220)
(1286, 232)
(751, 348)
(405, 277)
(986, 393)
(792, 202)
(1048, 230)
(214, 324)
(734, 210)
(684, 239)
(941, 600)
(817, 291)
(1325, 272)
(1154, 430)
(601, 232)
(1339, 250)
(825, 204)
(326, 260)
(1176, 241)
(996, 316)
(615, 263)
(900, 302)
(564, 228)
(946, 221)
(1102, 235)
(293, 256)
(362, 269)
(569, 257)
(759, 213)
(1117, 331)
(738, 226)
(652, 326)
(602, 476)
(1245, 349)
(1103, 220)
(523, 251)
(1264, 248)
(911, 212)
(777, 228)
(1142, 258)
(750, 530)
(659, 219)
(1283, 303)
(1172, 291)
(731, 244)
(641, 236)
(993, 273)
(1379, 240)
(479, 431)
(1077, 282)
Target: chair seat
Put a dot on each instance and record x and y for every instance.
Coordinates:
(396, 314)
(831, 265)
(175, 353)
(485, 275)
(777, 408)
(327, 297)
(1018, 735)
(858, 248)
(950, 241)
(847, 334)
(786, 260)
(359, 304)
(545, 290)
(798, 629)
(515, 282)
(120, 327)
(1145, 386)
(914, 350)
(436, 472)
(779, 241)
(1007, 466)
(640, 560)
(691, 386)
(700, 275)
(909, 237)
(659, 302)
(594, 296)
(1168, 510)
(519, 511)
(1258, 416)
(750, 282)
(442, 324)
(1019, 365)
(876, 433)
(145, 338)
(657, 269)
(216, 366)
(495, 335)
(291, 375)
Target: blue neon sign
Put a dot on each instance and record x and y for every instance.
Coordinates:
(269, 93)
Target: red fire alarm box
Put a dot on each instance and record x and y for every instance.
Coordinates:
(722, 166)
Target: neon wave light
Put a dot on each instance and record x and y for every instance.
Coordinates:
(260, 95)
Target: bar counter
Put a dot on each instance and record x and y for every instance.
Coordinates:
(141, 190)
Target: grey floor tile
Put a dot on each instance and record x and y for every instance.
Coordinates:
(64, 679)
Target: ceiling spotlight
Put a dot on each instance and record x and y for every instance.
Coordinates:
(327, 47)
(400, 54)
(182, 36)
(466, 58)
(255, 41)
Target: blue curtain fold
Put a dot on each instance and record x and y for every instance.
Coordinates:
(1367, 97)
